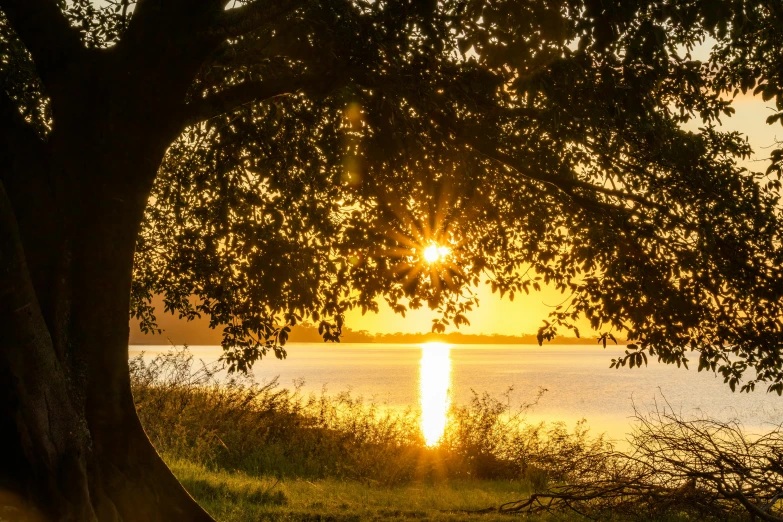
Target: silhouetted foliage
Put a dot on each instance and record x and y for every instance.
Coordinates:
(295, 159)
(557, 159)
(319, 150)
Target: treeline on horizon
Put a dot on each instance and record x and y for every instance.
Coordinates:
(308, 333)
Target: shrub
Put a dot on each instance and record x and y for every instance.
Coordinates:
(236, 424)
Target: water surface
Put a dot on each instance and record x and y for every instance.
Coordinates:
(579, 382)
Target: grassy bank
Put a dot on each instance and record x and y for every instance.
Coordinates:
(239, 497)
(248, 451)
(265, 430)
(254, 452)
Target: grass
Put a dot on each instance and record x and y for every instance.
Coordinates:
(251, 452)
(239, 497)
(265, 430)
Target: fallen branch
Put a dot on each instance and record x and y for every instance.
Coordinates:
(706, 468)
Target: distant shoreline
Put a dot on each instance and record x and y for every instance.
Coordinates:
(195, 334)
(162, 339)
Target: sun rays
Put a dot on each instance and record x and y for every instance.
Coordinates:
(425, 242)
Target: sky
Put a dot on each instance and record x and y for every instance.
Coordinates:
(525, 314)
(494, 315)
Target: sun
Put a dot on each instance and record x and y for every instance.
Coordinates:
(434, 253)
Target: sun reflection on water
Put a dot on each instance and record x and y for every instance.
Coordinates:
(434, 385)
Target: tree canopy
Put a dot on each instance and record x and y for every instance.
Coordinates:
(265, 162)
(324, 144)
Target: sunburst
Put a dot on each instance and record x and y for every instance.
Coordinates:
(427, 240)
(435, 253)
(427, 248)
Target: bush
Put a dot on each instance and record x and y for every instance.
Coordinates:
(237, 424)
(676, 469)
(489, 440)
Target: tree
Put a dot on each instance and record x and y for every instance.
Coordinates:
(287, 161)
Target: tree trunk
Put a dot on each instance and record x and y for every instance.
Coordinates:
(73, 446)
(77, 449)
(45, 444)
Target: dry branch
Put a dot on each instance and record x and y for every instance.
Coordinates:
(703, 467)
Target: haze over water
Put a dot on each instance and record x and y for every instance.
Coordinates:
(580, 384)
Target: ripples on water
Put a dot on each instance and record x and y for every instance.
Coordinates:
(579, 381)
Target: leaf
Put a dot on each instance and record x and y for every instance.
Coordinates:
(775, 117)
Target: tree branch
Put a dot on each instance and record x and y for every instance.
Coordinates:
(235, 96)
(560, 183)
(16, 135)
(46, 33)
(23, 159)
(566, 185)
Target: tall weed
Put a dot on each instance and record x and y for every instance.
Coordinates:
(190, 412)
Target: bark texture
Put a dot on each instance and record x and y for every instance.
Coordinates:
(71, 206)
(78, 451)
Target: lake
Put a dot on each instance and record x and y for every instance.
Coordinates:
(577, 378)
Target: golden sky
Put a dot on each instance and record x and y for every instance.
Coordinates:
(526, 313)
(495, 315)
